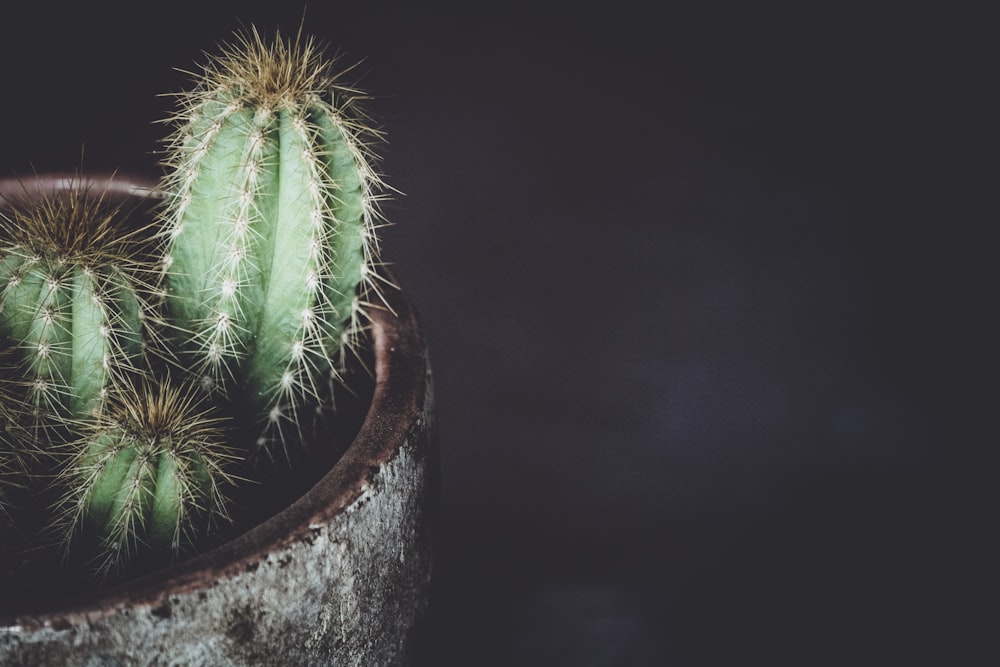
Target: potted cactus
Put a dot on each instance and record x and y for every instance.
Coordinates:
(216, 442)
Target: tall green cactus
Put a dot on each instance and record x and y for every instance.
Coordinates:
(72, 276)
(271, 219)
(147, 475)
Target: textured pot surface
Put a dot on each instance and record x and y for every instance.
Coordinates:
(340, 577)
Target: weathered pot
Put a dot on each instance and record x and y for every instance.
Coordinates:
(340, 577)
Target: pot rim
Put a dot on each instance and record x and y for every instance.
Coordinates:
(394, 413)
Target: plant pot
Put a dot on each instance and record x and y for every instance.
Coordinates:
(341, 576)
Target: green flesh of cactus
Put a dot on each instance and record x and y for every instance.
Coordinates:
(74, 325)
(272, 242)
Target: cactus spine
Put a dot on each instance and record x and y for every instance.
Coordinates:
(71, 302)
(272, 252)
(147, 471)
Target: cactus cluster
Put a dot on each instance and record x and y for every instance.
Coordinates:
(150, 359)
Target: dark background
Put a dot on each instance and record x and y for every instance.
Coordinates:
(710, 292)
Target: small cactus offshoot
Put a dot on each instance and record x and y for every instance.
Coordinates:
(147, 476)
(272, 209)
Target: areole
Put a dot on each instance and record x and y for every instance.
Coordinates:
(341, 576)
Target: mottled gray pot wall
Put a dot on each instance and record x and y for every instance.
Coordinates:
(341, 577)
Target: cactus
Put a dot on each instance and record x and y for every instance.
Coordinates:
(147, 473)
(73, 279)
(13, 452)
(271, 221)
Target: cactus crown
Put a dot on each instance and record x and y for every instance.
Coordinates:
(75, 226)
(275, 74)
(251, 72)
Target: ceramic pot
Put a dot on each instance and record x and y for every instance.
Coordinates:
(339, 577)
